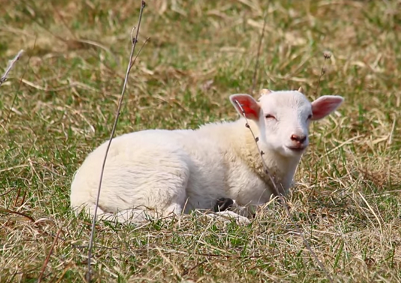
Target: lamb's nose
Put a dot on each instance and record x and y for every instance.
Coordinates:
(298, 139)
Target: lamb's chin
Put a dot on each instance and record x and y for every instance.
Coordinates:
(288, 151)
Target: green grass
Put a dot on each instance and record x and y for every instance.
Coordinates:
(60, 100)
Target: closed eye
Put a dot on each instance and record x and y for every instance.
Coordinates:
(269, 116)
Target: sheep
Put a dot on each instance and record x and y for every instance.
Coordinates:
(156, 173)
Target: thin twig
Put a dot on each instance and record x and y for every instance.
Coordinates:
(139, 52)
(169, 262)
(2, 209)
(48, 256)
(372, 210)
(18, 88)
(195, 266)
(265, 168)
(255, 71)
(6, 192)
(10, 66)
(326, 55)
(92, 235)
(284, 202)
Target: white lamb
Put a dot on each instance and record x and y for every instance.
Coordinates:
(159, 172)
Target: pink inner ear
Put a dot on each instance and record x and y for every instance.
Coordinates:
(324, 105)
(249, 106)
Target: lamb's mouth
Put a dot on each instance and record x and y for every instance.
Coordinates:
(298, 149)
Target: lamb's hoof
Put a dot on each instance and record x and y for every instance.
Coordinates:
(223, 204)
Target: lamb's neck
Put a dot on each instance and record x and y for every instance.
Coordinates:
(280, 168)
(238, 139)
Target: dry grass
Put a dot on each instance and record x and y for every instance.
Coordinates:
(60, 100)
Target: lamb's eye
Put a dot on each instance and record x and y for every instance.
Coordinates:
(310, 116)
(269, 116)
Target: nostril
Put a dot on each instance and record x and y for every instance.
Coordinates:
(299, 139)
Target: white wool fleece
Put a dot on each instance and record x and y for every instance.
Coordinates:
(158, 172)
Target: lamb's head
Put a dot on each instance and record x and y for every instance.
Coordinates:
(283, 117)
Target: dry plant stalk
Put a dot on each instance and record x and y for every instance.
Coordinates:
(255, 71)
(10, 66)
(131, 62)
(279, 195)
(327, 56)
(3, 209)
(48, 255)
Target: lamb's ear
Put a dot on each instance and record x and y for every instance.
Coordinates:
(325, 105)
(249, 106)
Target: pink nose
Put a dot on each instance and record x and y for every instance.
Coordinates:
(298, 139)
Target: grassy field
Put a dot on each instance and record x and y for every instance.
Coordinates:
(60, 100)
